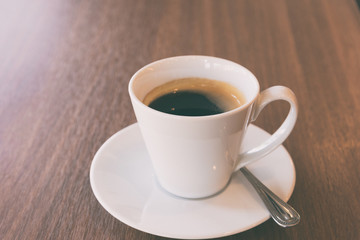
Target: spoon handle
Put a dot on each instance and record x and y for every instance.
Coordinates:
(282, 213)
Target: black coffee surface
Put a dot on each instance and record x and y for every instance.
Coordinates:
(185, 103)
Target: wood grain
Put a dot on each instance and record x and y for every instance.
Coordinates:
(64, 70)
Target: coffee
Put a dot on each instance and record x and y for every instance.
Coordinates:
(194, 97)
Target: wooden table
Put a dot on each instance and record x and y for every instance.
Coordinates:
(64, 71)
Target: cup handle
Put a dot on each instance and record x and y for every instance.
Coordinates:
(265, 97)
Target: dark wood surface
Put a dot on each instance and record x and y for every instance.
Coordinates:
(64, 70)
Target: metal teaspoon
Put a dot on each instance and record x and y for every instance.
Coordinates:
(282, 213)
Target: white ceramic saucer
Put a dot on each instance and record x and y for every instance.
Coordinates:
(123, 181)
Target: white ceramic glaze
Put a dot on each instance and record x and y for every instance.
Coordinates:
(124, 183)
(194, 157)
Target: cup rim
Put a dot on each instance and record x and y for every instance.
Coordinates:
(136, 100)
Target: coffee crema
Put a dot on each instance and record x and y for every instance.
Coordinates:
(194, 97)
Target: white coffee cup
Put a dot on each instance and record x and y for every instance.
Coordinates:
(194, 157)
